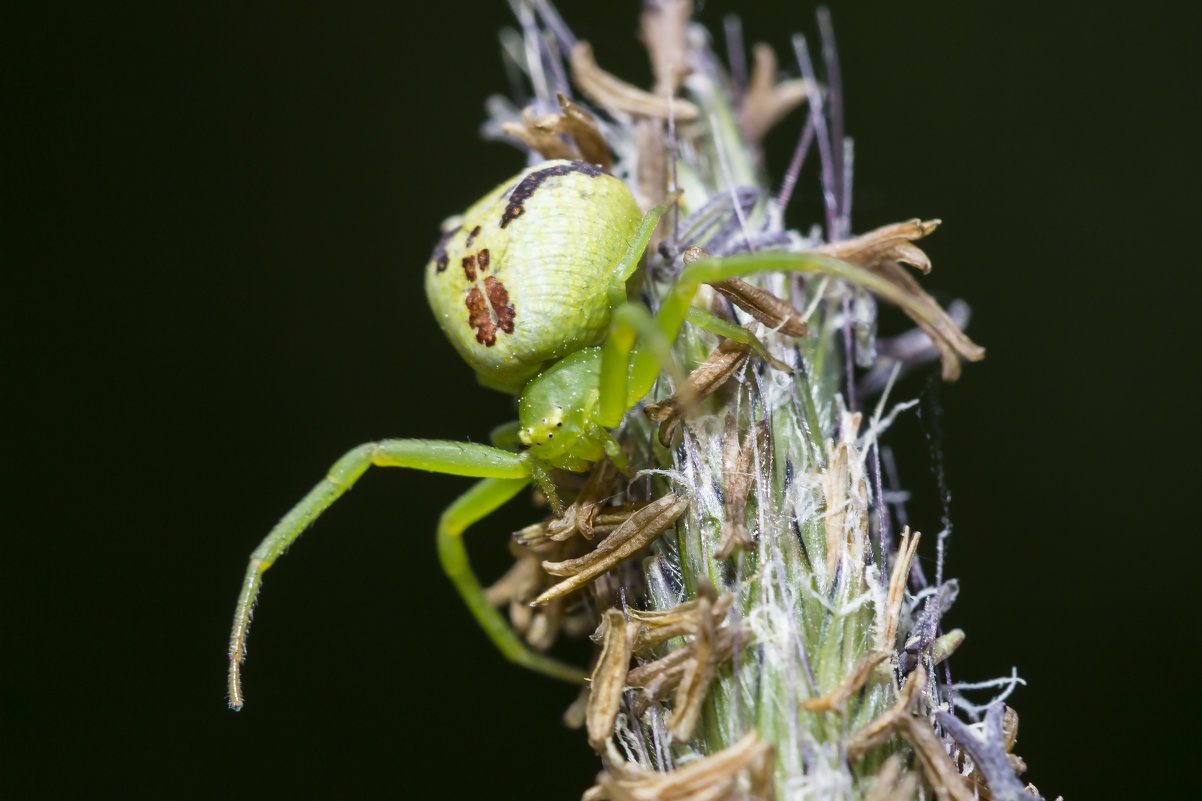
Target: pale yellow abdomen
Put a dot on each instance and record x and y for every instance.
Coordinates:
(524, 278)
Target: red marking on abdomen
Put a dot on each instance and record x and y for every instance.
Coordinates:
(498, 298)
(479, 318)
(489, 311)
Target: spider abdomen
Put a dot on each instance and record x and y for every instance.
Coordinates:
(523, 279)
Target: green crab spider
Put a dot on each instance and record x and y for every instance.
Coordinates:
(540, 272)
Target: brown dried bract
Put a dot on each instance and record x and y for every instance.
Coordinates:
(688, 669)
(581, 514)
(695, 683)
(639, 531)
(777, 314)
(896, 594)
(608, 680)
(740, 772)
(836, 700)
(606, 521)
(947, 337)
(761, 304)
(587, 515)
(879, 252)
(892, 783)
(737, 473)
(939, 770)
(540, 626)
(615, 94)
(540, 135)
(722, 363)
(658, 627)
(662, 28)
(766, 101)
(885, 244)
(845, 490)
(582, 127)
(545, 134)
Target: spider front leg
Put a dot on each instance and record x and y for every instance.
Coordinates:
(628, 373)
(626, 379)
(628, 320)
(505, 474)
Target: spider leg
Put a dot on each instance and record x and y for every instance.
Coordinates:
(626, 373)
(677, 303)
(475, 504)
(630, 262)
(629, 320)
(438, 456)
(716, 325)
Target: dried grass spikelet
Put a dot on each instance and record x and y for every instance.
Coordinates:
(737, 473)
(619, 96)
(580, 516)
(741, 772)
(660, 677)
(572, 134)
(608, 680)
(885, 244)
(659, 627)
(777, 314)
(524, 581)
(761, 304)
(729, 356)
(892, 782)
(939, 770)
(537, 601)
(695, 683)
(722, 363)
(707, 639)
(880, 252)
(845, 490)
(895, 594)
(663, 31)
(836, 700)
(688, 668)
(766, 101)
(639, 530)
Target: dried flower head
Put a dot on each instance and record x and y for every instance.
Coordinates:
(762, 633)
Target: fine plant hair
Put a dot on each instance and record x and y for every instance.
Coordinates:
(777, 638)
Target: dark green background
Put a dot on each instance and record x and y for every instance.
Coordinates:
(217, 221)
